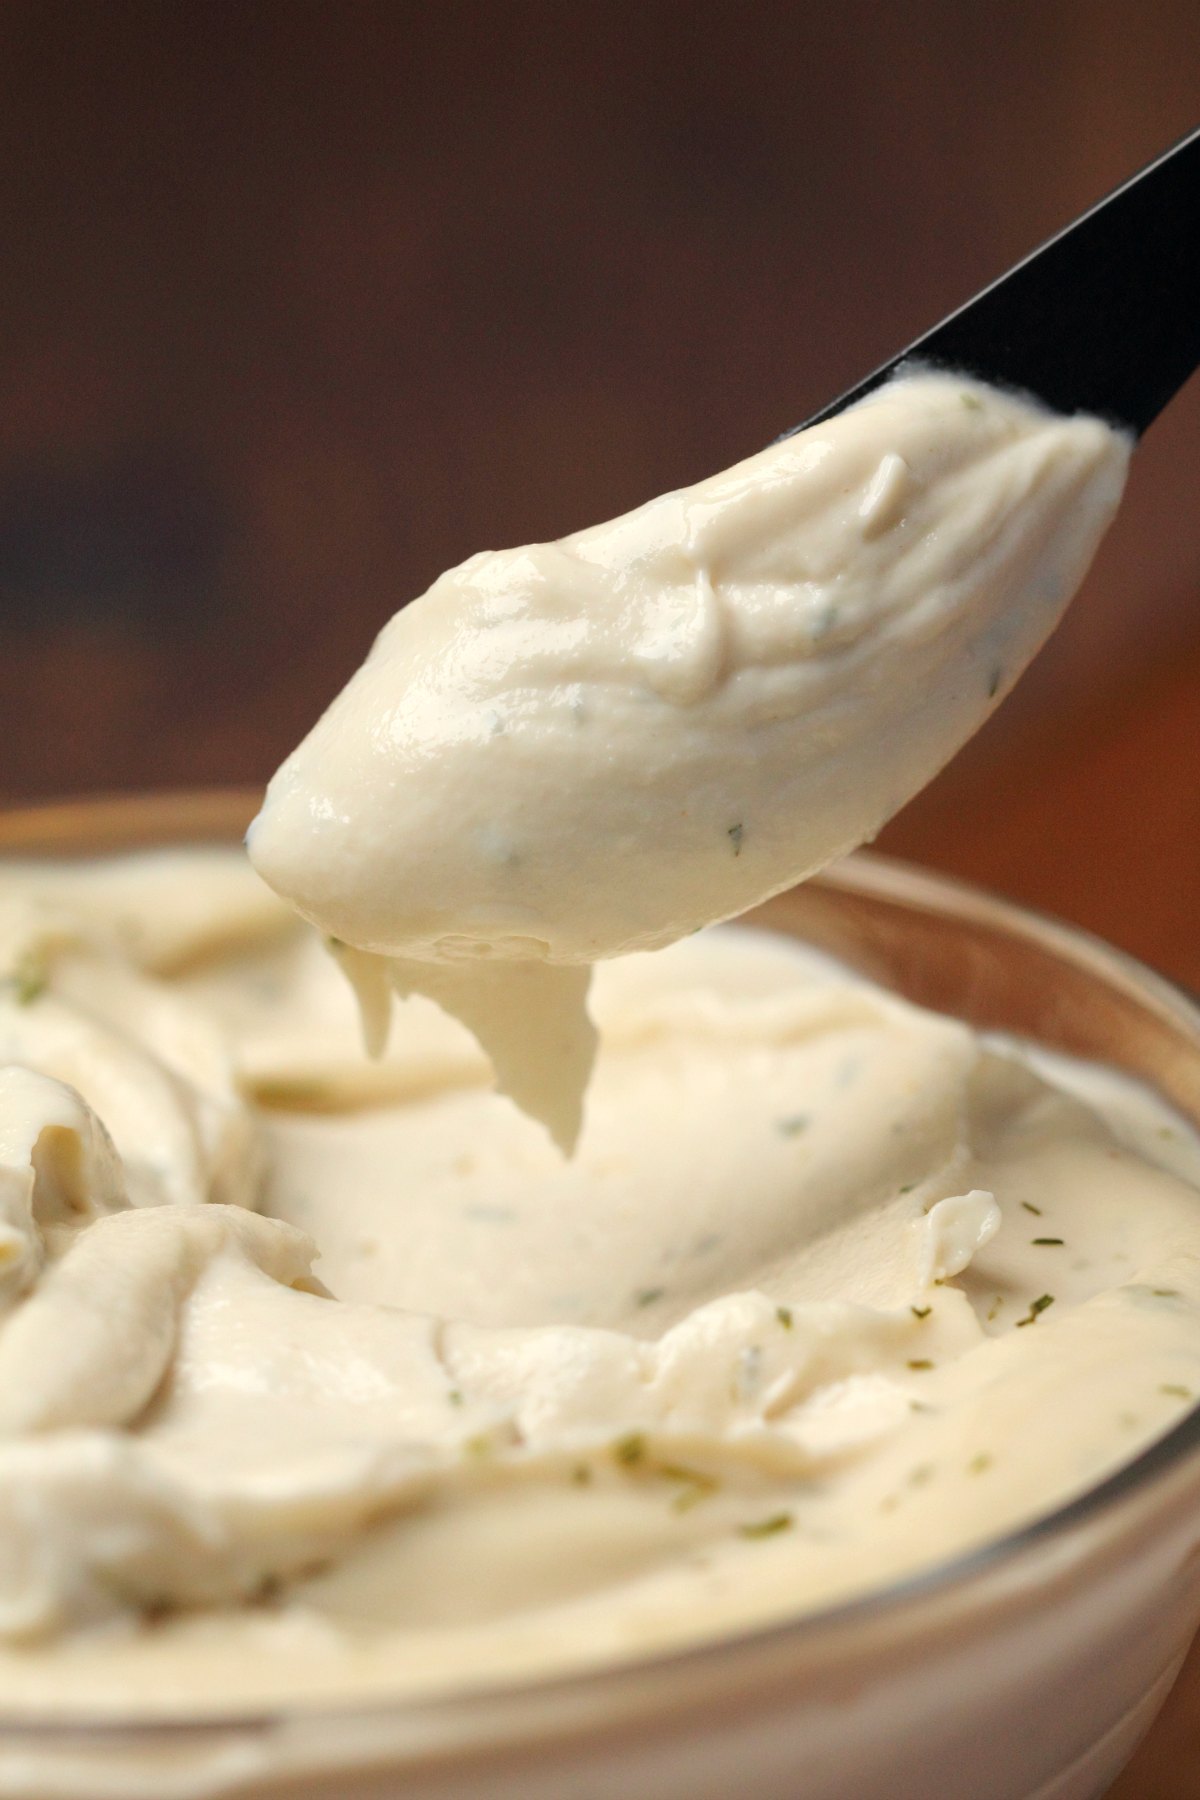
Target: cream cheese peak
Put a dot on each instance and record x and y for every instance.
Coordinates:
(571, 750)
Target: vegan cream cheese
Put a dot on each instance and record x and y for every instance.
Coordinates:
(324, 1375)
(569, 751)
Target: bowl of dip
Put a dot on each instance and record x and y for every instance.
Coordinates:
(890, 1521)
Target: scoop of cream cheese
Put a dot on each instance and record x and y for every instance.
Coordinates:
(568, 751)
(325, 1379)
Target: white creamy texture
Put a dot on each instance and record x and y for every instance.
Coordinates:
(447, 1408)
(569, 751)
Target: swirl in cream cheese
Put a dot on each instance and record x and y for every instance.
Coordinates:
(322, 1376)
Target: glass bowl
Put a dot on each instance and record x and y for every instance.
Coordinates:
(1029, 1668)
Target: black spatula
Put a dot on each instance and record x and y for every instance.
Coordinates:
(1104, 319)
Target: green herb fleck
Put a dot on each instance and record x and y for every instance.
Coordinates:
(1030, 1207)
(1166, 1293)
(735, 835)
(694, 1483)
(921, 1474)
(920, 1362)
(993, 1311)
(920, 1312)
(908, 1187)
(455, 1397)
(921, 1406)
(784, 1315)
(823, 619)
(1035, 1308)
(647, 1296)
(335, 944)
(972, 402)
(28, 980)
(1173, 1389)
(793, 1125)
(765, 1528)
(480, 1446)
(484, 1212)
(630, 1449)
(1046, 1240)
(980, 1464)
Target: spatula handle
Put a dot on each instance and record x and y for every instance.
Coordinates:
(1104, 318)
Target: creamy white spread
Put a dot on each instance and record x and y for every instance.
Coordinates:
(321, 1376)
(569, 751)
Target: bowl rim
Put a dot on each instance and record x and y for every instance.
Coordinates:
(214, 815)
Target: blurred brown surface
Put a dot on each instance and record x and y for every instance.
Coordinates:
(1167, 1767)
(302, 303)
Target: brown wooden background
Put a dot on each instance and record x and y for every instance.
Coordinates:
(300, 303)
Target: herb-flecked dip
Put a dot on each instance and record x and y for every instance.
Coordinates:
(325, 1375)
(573, 750)
(322, 1376)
